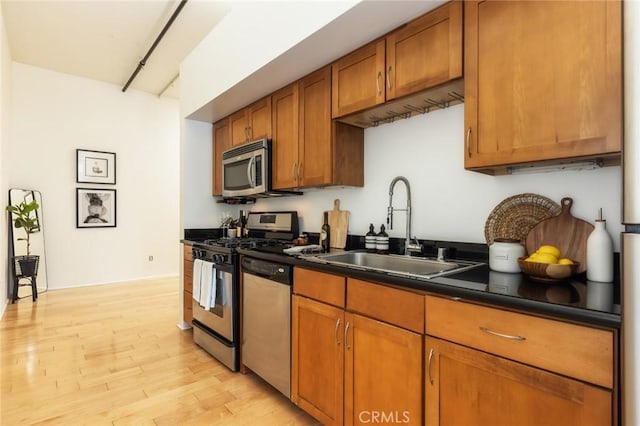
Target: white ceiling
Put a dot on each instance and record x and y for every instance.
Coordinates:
(106, 39)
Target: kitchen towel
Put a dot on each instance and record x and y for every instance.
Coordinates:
(197, 274)
(208, 285)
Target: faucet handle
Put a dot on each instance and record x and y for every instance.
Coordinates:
(414, 246)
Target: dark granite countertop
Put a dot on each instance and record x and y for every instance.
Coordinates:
(578, 301)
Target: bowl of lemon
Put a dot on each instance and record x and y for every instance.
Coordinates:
(547, 264)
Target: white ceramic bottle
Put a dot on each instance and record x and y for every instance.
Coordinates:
(600, 253)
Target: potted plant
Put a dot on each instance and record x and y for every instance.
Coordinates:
(25, 218)
(229, 224)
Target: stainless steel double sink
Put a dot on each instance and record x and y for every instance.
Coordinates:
(406, 266)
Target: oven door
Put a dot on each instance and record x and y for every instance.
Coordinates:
(245, 174)
(219, 318)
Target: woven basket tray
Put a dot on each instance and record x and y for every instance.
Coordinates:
(515, 216)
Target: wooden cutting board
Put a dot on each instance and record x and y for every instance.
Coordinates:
(563, 231)
(339, 225)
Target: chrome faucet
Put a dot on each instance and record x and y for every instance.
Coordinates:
(408, 246)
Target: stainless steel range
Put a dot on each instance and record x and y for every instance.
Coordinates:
(216, 304)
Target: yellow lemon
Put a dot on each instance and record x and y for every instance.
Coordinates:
(532, 258)
(552, 250)
(565, 261)
(545, 258)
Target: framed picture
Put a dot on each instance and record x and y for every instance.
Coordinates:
(95, 167)
(95, 208)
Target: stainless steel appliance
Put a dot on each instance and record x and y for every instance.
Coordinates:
(630, 241)
(266, 321)
(246, 171)
(216, 329)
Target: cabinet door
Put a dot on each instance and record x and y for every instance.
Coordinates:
(221, 142)
(426, 52)
(316, 144)
(239, 127)
(284, 124)
(383, 373)
(468, 387)
(317, 359)
(358, 80)
(542, 81)
(259, 119)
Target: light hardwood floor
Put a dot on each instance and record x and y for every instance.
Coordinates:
(112, 354)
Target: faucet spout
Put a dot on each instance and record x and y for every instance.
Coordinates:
(391, 209)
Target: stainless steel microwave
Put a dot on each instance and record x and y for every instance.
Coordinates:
(245, 169)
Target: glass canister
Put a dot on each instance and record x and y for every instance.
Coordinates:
(504, 254)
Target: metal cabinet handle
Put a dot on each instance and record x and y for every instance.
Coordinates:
(336, 331)
(299, 171)
(506, 336)
(429, 365)
(389, 77)
(378, 83)
(469, 142)
(346, 332)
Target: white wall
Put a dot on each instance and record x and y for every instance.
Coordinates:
(53, 115)
(242, 43)
(5, 98)
(200, 209)
(448, 202)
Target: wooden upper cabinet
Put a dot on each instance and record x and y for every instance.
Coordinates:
(221, 142)
(284, 157)
(322, 152)
(251, 123)
(358, 80)
(543, 81)
(316, 150)
(425, 52)
(410, 65)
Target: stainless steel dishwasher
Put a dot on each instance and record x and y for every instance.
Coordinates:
(266, 321)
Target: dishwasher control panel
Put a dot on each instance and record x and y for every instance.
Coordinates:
(271, 270)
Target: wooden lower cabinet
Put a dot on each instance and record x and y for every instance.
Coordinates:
(187, 277)
(317, 359)
(468, 387)
(350, 369)
(383, 373)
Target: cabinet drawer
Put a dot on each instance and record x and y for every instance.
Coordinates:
(398, 307)
(327, 288)
(188, 254)
(577, 351)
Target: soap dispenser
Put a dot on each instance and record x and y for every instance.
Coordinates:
(370, 240)
(382, 241)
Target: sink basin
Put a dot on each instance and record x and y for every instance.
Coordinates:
(394, 264)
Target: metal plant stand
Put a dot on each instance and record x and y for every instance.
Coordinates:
(25, 269)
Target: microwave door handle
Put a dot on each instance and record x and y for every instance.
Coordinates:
(251, 171)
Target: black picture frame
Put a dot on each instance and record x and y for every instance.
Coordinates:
(95, 167)
(96, 208)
